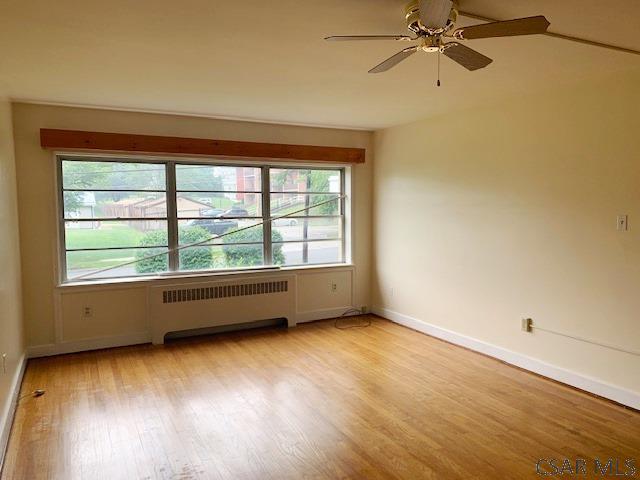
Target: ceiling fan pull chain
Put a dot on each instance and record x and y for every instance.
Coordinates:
(439, 52)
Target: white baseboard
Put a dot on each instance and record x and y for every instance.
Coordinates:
(88, 344)
(8, 413)
(74, 346)
(583, 382)
(323, 314)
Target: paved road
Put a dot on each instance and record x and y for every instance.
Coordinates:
(319, 252)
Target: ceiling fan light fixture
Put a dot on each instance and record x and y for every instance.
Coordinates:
(431, 44)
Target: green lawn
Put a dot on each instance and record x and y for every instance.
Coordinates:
(108, 236)
(220, 202)
(99, 259)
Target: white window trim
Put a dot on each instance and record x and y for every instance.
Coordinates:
(347, 187)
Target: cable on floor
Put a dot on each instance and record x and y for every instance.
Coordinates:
(34, 394)
(350, 312)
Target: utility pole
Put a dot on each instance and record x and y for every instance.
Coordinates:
(305, 227)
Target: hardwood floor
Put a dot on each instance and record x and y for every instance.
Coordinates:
(382, 402)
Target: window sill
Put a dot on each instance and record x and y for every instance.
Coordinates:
(159, 279)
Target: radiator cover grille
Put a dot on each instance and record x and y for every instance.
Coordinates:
(224, 291)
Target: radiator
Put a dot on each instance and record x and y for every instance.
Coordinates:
(187, 306)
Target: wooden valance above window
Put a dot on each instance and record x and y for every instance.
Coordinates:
(73, 140)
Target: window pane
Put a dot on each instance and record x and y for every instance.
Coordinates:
(291, 229)
(316, 252)
(218, 178)
(114, 204)
(194, 231)
(84, 262)
(115, 234)
(219, 205)
(212, 203)
(304, 180)
(285, 203)
(83, 175)
(221, 257)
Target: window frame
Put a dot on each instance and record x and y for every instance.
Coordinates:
(172, 218)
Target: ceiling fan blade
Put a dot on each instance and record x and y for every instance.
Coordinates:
(435, 13)
(465, 56)
(393, 61)
(508, 28)
(347, 38)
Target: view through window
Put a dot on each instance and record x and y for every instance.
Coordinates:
(127, 218)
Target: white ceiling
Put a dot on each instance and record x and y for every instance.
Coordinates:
(266, 60)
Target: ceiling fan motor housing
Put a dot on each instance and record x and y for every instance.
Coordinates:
(412, 15)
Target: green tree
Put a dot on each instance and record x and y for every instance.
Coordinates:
(198, 177)
(196, 258)
(154, 264)
(318, 181)
(202, 177)
(278, 256)
(79, 175)
(250, 255)
(315, 181)
(113, 176)
(135, 176)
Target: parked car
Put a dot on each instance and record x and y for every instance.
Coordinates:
(212, 212)
(285, 222)
(213, 222)
(236, 212)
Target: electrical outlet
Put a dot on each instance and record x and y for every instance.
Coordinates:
(527, 325)
(623, 223)
(4, 363)
(87, 312)
(334, 287)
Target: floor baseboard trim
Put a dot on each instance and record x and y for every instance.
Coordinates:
(74, 346)
(592, 385)
(6, 421)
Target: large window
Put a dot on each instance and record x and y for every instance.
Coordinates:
(124, 218)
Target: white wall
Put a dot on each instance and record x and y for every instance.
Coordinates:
(11, 337)
(487, 216)
(53, 315)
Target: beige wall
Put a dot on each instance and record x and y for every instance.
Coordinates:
(482, 217)
(11, 338)
(490, 215)
(53, 315)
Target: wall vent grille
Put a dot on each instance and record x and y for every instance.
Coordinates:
(223, 291)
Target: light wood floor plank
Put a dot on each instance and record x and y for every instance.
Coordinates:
(313, 402)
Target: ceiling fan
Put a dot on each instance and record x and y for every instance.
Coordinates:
(432, 22)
